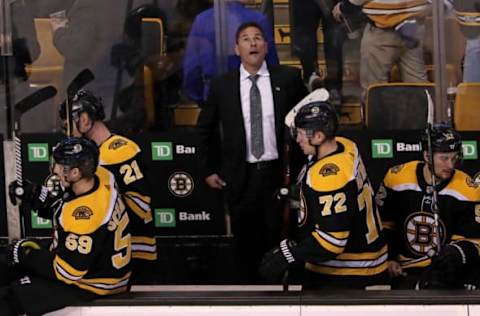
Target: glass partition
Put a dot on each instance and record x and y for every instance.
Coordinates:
(152, 63)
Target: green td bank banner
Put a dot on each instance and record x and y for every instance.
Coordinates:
(387, 148)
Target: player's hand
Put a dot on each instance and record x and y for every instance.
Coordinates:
(394, 269)
(215, 182)
(19, 250)
(24, 193)
(449, 266)
(276, 261)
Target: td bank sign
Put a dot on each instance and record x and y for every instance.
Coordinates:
(384, 148)
(38, 152)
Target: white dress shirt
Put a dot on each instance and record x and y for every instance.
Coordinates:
(268, 113)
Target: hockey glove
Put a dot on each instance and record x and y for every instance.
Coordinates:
(22, 193)
(32, 196)
(450, 264)
(276, 261)
(19, 250)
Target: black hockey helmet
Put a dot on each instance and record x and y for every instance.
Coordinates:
(444, 139)
(84, 101)
(77, 152)
(318, 116)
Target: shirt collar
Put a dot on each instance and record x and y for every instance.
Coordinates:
(263, 71)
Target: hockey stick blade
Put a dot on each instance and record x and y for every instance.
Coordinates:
(84, 77)
(34, 99)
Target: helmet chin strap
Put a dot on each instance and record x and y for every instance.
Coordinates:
(316, 146)
(77, 125)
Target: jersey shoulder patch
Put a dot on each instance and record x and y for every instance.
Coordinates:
(331, 173)
(86, 213)
(463, 187)
(117, 149)
(402, 175)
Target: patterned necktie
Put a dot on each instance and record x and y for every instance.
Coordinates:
(256, 121)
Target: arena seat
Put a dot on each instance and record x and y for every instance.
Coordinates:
(466, 113)
(151, 28)
(397, 106)
(47, 69)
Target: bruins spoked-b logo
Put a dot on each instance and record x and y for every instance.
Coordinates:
(302, 211)
(180, 184)
(329, 169)
(422, 233)
(82, 212)
(117, 144)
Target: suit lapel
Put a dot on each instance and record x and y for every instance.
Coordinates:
(236, 105)
(278, 98)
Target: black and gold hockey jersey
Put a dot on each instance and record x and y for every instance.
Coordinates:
(468, 16)
(122, 157)
(91, 244)
(405, 203)
(389, 13)
(340, 230)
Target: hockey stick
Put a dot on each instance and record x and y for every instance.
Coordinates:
(22, 107)
(435, 208)
(84, 77)
(284, 193)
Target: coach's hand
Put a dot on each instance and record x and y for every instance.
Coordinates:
(215, 182)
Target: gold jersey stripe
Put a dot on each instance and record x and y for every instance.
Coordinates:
(144, 255)
(57, 261)
(347, 271)
(327, 245)
(388, 225)
(110, 281)
(340, 235)
(144, 198)
(143, 240)
(144, 214)
(363, 256)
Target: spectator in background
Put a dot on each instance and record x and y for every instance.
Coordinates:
(468, 16)
(85, 36)
(249, 104)
(200, 61)
(393, 36)
(306, 15)
(424, 252)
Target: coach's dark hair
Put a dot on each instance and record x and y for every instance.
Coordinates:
(246, 25)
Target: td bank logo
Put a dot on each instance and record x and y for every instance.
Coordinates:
(39, 223)
(165, 217)
(162, 151)
(469, 148)
(38, 152)
(382, 148)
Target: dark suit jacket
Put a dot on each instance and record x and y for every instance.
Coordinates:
(223, 110)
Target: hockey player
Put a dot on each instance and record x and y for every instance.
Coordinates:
(340, 242)
(405, 204)
(90, 252)
(123, 158)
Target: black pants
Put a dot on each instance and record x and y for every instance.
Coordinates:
(256, 220)
(32, 295)
(305, 19)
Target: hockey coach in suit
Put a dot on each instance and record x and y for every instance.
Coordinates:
(247, 107)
